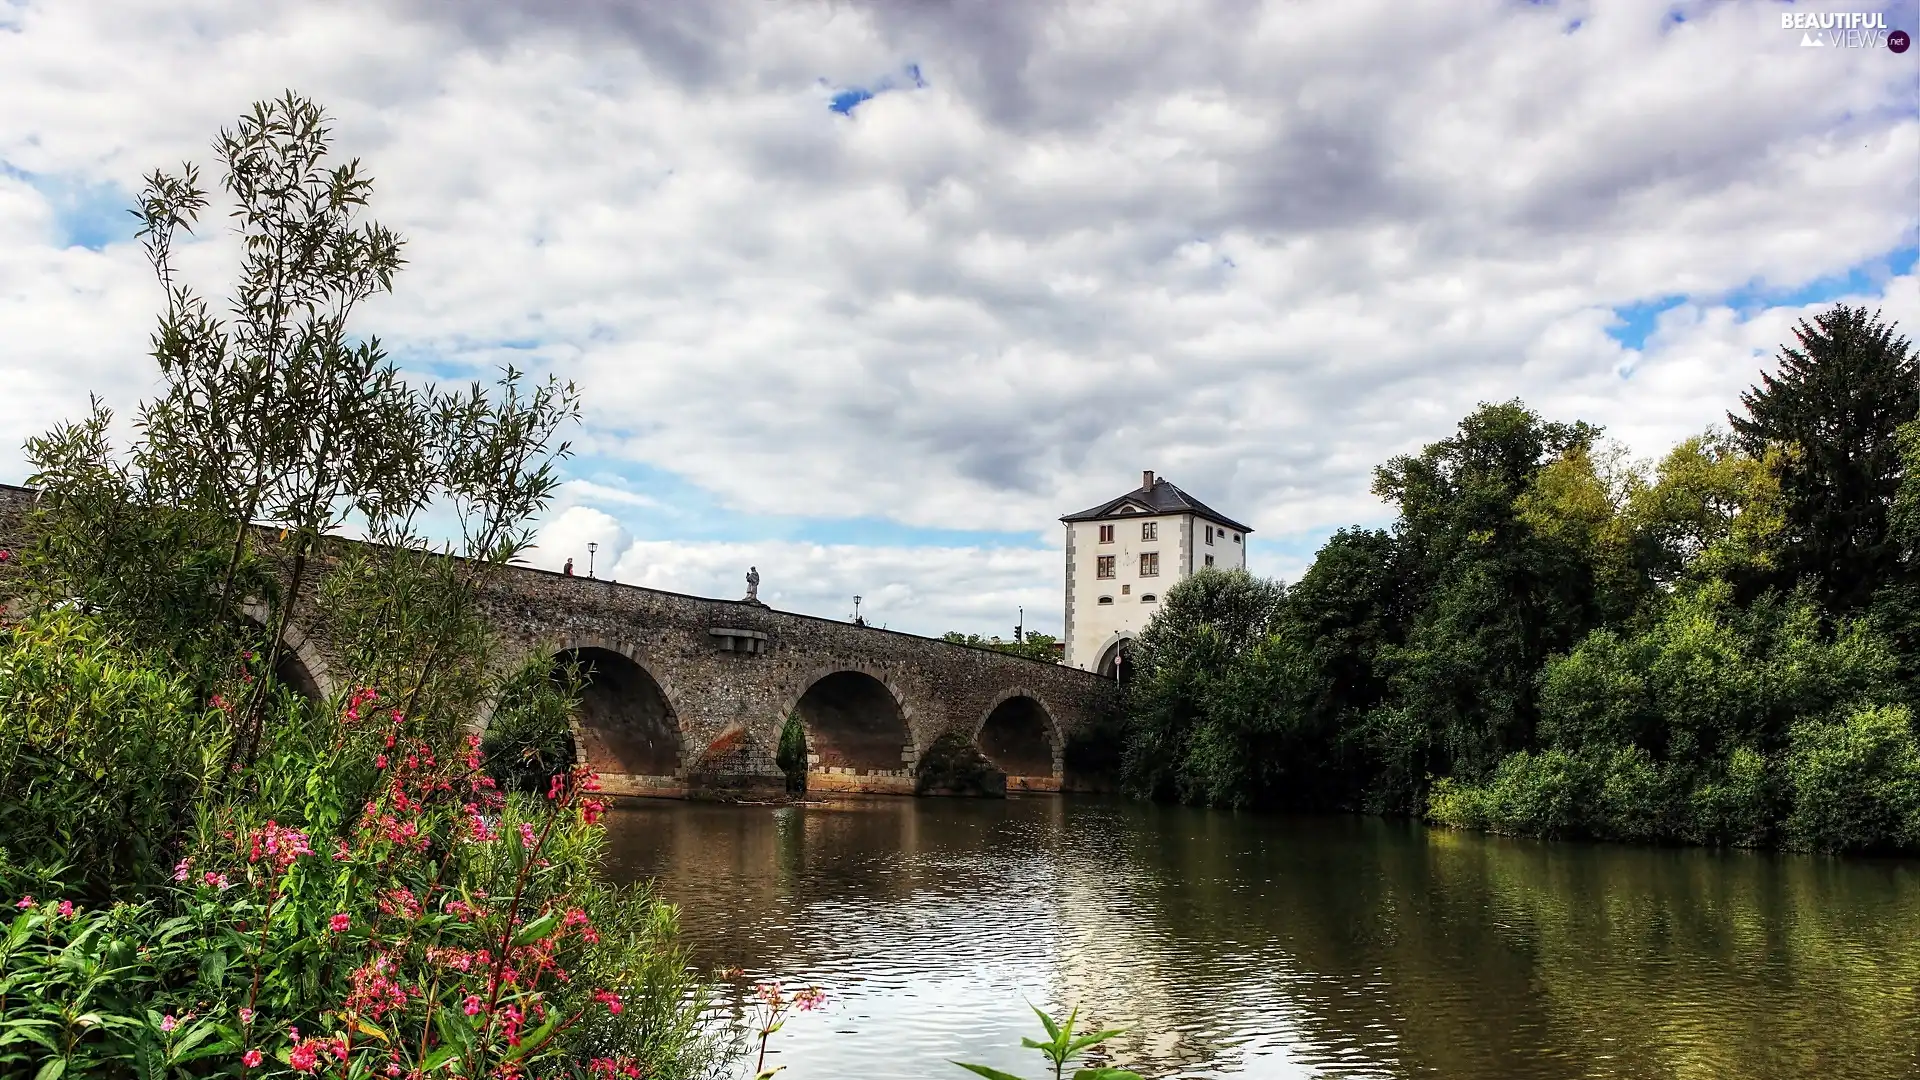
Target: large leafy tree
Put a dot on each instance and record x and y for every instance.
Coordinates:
(1495, 596)
(1834, 408)
(1190, 698)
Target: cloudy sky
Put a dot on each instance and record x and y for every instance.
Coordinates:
(870, 292)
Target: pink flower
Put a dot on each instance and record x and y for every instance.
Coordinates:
(181, 869)
(472, 1005)
(379, 761)
(252, 1059)
(526, 834)
(809, 999)
(305, 1057)
(339, 923)
(609, 999)
(66, 909)
(246, 1014)
(591, 810)
(25, 902)
(168, 1023)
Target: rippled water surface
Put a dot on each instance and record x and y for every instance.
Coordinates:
(1247, 946)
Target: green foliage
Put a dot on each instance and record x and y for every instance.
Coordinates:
(791, 755)
(1062, 1046)
(1855, 781)
(1186, 709)
(530, 735)
(1034, 646)
(952, 765)
(103, 756)
(1834, 409)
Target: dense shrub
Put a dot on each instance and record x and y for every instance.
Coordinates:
(103, 756)
(952, 765)
(369, 887)
(1855, 781)
(529, 737)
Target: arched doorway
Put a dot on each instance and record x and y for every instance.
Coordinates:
(856, 735)
(627, 728)
(1017, 736)
(1117, 661)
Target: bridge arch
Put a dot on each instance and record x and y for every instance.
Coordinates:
(628, 725)
(302, 668)
(859, 729)
(1019, 735)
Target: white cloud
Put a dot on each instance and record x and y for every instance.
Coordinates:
(927, 590)
(1258, 247)
(567, 535)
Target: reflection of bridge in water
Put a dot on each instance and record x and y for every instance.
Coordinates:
(687, 695)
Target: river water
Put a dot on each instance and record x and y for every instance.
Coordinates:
(1252, 946)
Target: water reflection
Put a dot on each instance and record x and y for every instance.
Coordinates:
(1273, 947)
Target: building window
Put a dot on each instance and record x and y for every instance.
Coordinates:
(1209, 560)
(1103, 566)
(1148, 598)
(1209, 534)
(1149, 530)
(1126, 590)
(1150, 564)
(1106, 534)
(1236, 538)
(1106, 600)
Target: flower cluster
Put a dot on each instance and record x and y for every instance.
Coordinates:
(489, 948)
(278, 846)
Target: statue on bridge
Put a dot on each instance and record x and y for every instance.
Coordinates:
(753, 585)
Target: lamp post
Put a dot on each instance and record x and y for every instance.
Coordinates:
(1020, 630)
(591, 548)
(856, 610)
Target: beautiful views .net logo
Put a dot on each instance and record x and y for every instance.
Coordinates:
(1844, 29)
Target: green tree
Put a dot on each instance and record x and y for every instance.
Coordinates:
(1191, 702)
(1494, 597)
(1834, 408)
(1035, 646)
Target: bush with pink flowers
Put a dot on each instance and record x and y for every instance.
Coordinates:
(370, 904)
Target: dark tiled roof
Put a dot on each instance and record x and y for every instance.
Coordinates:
(1162, 498)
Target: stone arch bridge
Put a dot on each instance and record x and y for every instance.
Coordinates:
(687, 696)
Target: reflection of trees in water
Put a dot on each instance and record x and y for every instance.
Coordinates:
(1473, 956)
(1343, 946)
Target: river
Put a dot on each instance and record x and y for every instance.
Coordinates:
(1253, 946)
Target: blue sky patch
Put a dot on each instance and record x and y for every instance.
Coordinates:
(86, 214)
(846, 99)
(1637, 321)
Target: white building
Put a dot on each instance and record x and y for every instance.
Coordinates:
(1124, 554)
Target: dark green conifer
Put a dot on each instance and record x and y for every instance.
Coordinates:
(1835, 405)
